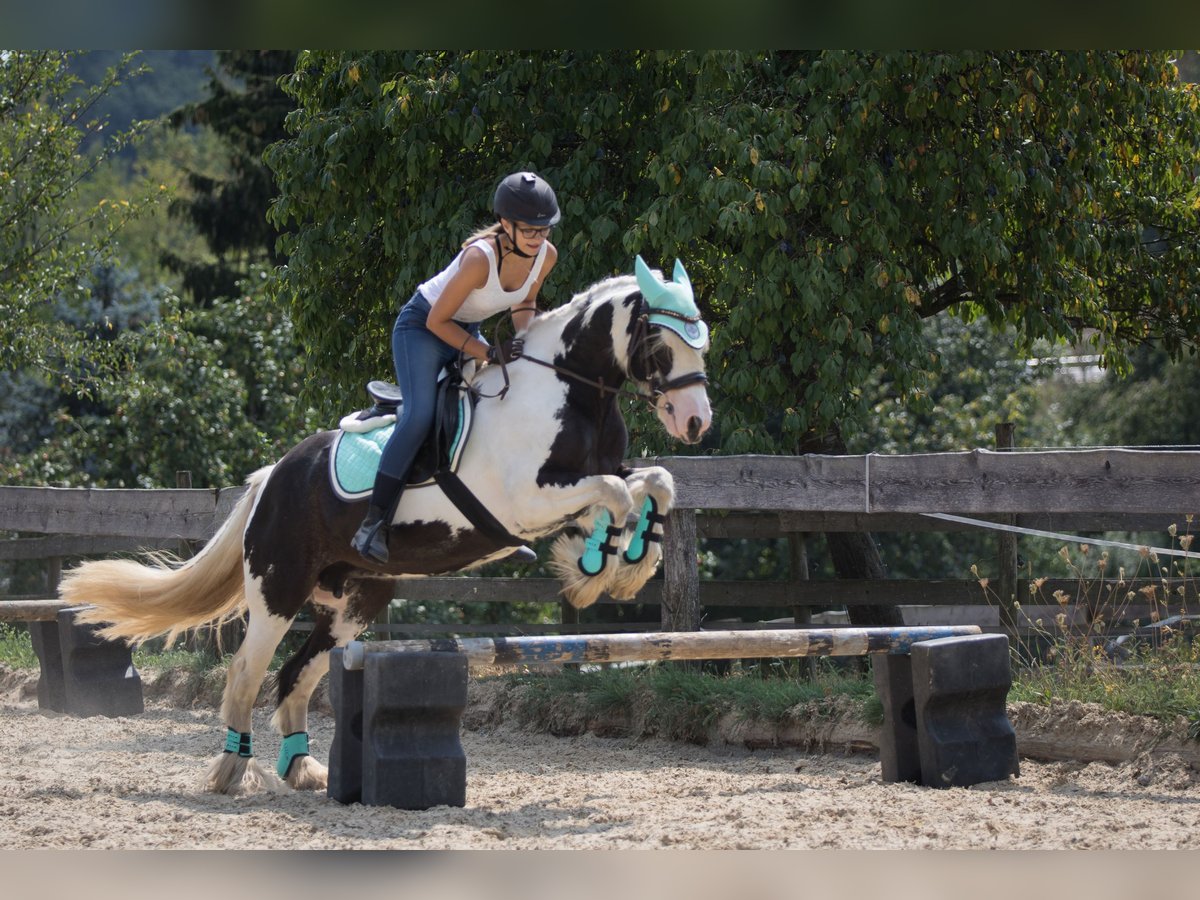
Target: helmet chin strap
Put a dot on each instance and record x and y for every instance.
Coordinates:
(516, 249)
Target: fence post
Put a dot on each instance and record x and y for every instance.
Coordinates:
(53, 575)
(681, 573)
(1006, 550)
(798, 571)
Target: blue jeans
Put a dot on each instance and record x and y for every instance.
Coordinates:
(419, 356)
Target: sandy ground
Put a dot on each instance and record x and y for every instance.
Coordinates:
(132, 783)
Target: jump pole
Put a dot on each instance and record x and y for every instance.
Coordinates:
(651, 646)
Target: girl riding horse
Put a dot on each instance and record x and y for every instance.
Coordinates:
(286, 544)
(441, 321)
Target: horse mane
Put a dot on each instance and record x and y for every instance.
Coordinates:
(615, 287)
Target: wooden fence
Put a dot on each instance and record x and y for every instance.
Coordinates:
(1072, 491)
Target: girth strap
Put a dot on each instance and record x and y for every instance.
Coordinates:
(478, 515)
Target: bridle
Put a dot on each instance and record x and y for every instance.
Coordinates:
(638, 349)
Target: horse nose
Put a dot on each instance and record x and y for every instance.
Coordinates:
(694, 426)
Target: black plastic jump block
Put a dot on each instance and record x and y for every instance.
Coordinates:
(346, 751)
(960, 690)
(51, 688)
(412, 709)
(99, 678)
(899, 751)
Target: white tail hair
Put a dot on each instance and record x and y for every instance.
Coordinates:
(167, 595)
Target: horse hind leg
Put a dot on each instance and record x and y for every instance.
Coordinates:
(337, 621)
(236, 771)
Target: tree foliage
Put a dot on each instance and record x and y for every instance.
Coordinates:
(825, 204)
(207, 390)
(1157, 404)
(48, 243)
(245, 108)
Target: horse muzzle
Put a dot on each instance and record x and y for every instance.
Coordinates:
(685, 413)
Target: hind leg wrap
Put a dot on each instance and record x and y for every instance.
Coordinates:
(294, 746)
(239, 742)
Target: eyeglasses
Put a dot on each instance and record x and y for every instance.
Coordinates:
(528, 231)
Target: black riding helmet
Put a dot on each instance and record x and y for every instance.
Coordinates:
(526, 197)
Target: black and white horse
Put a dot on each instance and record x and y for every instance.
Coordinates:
(544, 458)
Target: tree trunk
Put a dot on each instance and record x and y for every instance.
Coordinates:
(855, 555)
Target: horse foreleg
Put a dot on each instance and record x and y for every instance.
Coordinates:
(653, 491)
(236, 770)
(582, 583)
(338, 621)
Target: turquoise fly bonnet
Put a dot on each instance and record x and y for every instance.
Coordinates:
(672, 304)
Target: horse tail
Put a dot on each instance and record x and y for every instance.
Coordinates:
(167, 595)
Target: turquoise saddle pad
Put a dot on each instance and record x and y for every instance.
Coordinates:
(355, 459)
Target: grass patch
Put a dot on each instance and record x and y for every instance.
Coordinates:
(16, 648)
(683, 704)
(191, 661)
(1161, 682)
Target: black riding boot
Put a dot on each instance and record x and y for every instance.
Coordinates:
(371, 538)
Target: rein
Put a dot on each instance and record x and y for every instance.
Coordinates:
(637, 342)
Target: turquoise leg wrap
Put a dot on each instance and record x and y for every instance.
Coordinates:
(644, 532)
(295, 744)
(239, 742)
(599, 546)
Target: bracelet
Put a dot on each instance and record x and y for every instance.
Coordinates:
(466, 341)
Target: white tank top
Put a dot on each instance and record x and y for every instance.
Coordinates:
(491, 298)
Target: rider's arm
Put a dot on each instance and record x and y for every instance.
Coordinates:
(524, 311)
(472, 274)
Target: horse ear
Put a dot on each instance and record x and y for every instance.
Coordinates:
(650, 286)
(681, 276)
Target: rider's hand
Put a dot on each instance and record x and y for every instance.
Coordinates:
(507, 352)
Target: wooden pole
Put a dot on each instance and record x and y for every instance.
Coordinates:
(53, 575)
(798, 571)
(1006, 550)
(31, 610)
(664, 645)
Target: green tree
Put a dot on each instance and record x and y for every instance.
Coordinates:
(1157, 404)
(208, 390)
(245, 109)
(825, 203)
(48, 243)
(172, 78)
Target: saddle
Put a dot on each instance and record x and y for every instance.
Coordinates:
(358, 446)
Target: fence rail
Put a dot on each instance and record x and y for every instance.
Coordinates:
(1076, 491)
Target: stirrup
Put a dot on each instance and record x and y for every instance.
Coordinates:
(371, 538)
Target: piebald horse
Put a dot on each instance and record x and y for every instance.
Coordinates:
(544, 456)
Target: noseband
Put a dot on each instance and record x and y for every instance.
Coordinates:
(638, 349)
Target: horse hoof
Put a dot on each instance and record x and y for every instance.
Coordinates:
(308, 775)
